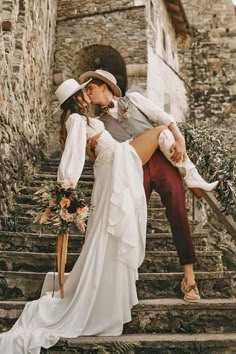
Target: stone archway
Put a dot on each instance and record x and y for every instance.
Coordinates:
(101, 57)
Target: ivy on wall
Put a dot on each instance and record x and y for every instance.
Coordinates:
(214, 162)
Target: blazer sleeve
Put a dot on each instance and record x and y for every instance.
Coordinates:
(73, 157)
(153, 112)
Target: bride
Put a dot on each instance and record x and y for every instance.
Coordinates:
(100, 290)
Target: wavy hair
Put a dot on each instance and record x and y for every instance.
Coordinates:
(74, 104)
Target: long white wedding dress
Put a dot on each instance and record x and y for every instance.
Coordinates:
(100, 290)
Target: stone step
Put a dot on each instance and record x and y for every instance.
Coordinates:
(177, 316)
(56, 162)
(42, 179)
(34, 242)
(159, 316)
(40, 176)
(25, 223)
(52, 168)
(86, 187)
(24, 209)
(149, 344)
(155, 262)
(167, 285)
(26, 198)
(88, 163)
(28, 285)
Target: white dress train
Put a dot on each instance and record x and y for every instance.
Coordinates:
(100, 290)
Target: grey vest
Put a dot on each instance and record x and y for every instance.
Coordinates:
(122, 128)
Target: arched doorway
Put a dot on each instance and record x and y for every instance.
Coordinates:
(101, 57)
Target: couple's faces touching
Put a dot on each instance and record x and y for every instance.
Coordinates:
(96, 93)
(83, 98)
(93, 93)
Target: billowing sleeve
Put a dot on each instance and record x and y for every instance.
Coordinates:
(73, 157)
(153, 112)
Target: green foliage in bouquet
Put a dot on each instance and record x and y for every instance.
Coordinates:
(214, 162)
(60, 207)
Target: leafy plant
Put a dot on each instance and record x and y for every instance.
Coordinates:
(214, 162)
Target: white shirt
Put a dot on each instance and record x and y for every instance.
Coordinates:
(154, 113)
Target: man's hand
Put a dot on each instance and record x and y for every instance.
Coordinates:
(93, 141)
(178, 151)
(89, 150)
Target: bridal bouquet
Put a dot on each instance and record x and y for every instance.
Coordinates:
(60, 207)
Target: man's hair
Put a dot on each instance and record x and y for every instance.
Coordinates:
(100, 83)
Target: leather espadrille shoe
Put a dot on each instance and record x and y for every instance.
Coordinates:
(191, 293)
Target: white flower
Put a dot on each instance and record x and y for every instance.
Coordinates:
(67, 184)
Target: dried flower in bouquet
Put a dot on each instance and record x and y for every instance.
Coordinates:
(60, 207)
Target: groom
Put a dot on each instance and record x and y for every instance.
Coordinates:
(127, 117)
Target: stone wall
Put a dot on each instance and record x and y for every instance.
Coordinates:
(74, 8)
(27, 32)
(210, 65)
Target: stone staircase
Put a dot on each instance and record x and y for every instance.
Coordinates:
(162, 322)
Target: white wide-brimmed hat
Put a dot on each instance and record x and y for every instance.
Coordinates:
(67, 89)
(105, 76)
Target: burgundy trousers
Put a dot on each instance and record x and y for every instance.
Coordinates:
(160, 175)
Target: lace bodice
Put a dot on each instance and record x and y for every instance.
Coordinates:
(105, 143)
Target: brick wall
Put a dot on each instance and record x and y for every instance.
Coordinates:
(27, 32)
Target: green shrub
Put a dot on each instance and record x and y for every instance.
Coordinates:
(214, 162)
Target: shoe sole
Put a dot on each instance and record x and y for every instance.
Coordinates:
(192, 301)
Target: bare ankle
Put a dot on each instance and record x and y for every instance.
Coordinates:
(189, 281)
(189, 277)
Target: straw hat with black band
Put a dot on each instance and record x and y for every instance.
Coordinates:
(104, 76)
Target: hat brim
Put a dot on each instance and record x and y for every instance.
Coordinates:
(82, 86)
(93, 75)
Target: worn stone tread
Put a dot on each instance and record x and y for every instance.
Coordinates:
(151, 344)
(27, 285)
(160, 316)
(160, 253)
(142, 276)
(154, 304)
(46, 242)
(155, 338)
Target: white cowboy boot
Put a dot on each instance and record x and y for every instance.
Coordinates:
(187, 169)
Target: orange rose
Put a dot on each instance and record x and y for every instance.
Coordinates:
(83, 210)
(65, 202)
